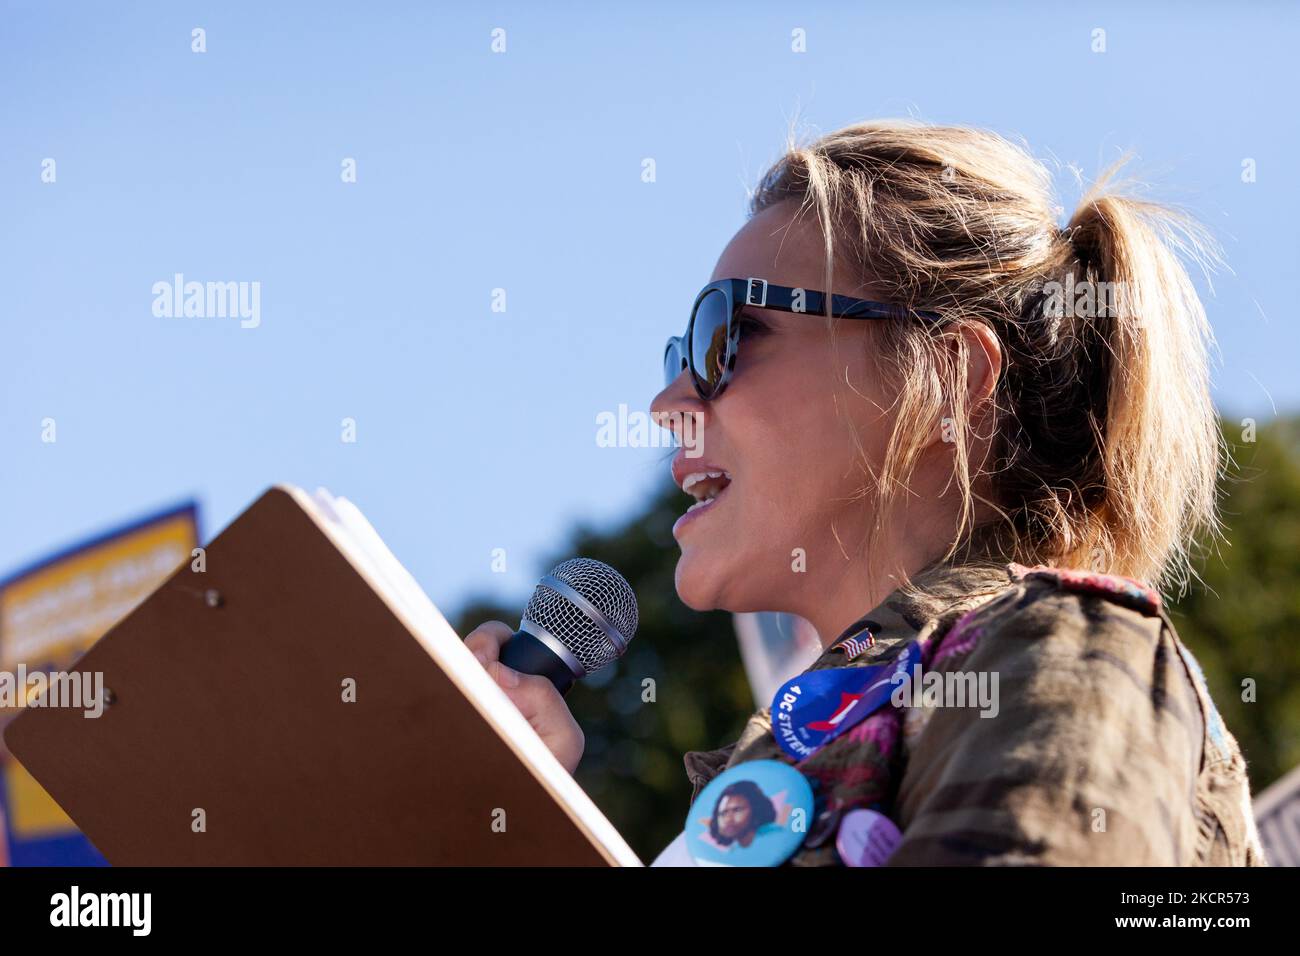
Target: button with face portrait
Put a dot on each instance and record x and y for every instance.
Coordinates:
(753, 814)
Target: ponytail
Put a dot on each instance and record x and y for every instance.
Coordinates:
(1112, 449)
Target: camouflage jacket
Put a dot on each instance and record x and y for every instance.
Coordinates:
(1104, 748)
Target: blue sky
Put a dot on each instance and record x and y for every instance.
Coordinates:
(476, 429)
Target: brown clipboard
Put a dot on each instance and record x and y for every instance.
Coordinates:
(237, 710)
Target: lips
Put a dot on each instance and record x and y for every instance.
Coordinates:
(697, 511)
(705, 482)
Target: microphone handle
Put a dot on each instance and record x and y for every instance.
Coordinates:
(528, 655)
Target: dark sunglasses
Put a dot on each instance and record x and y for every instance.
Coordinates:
(712, 336)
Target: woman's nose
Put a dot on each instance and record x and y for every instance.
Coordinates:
(677, 403)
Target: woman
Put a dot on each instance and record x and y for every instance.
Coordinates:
(990, 413)
(743, 812)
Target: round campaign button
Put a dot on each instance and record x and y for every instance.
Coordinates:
(812, 709)
(866, 838)
(753, 814)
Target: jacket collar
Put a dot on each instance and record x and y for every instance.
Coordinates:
(936, 597)
(939, 594)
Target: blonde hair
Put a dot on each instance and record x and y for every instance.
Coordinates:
(1106, 447)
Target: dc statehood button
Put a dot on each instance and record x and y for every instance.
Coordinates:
(811, 710)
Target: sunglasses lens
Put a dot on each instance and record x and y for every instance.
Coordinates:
(674, 361)
(708, 345)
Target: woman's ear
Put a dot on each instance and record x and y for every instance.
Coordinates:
(984, 365)
(983, 356)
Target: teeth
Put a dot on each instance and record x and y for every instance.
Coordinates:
(705, 496)
(696, 477)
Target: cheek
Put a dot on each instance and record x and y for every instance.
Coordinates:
(800, 446)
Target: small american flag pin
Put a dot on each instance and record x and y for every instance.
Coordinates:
(855, 645)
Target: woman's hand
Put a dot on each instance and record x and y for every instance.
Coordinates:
(536, 697)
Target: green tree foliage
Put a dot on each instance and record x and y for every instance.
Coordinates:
(1243, 622)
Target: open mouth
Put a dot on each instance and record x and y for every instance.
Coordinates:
(705, 487)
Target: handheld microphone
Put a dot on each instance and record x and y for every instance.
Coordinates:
(581, 617)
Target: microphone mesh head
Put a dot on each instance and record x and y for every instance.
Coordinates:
(585, 638)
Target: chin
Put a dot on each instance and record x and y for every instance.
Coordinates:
(698, 582)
